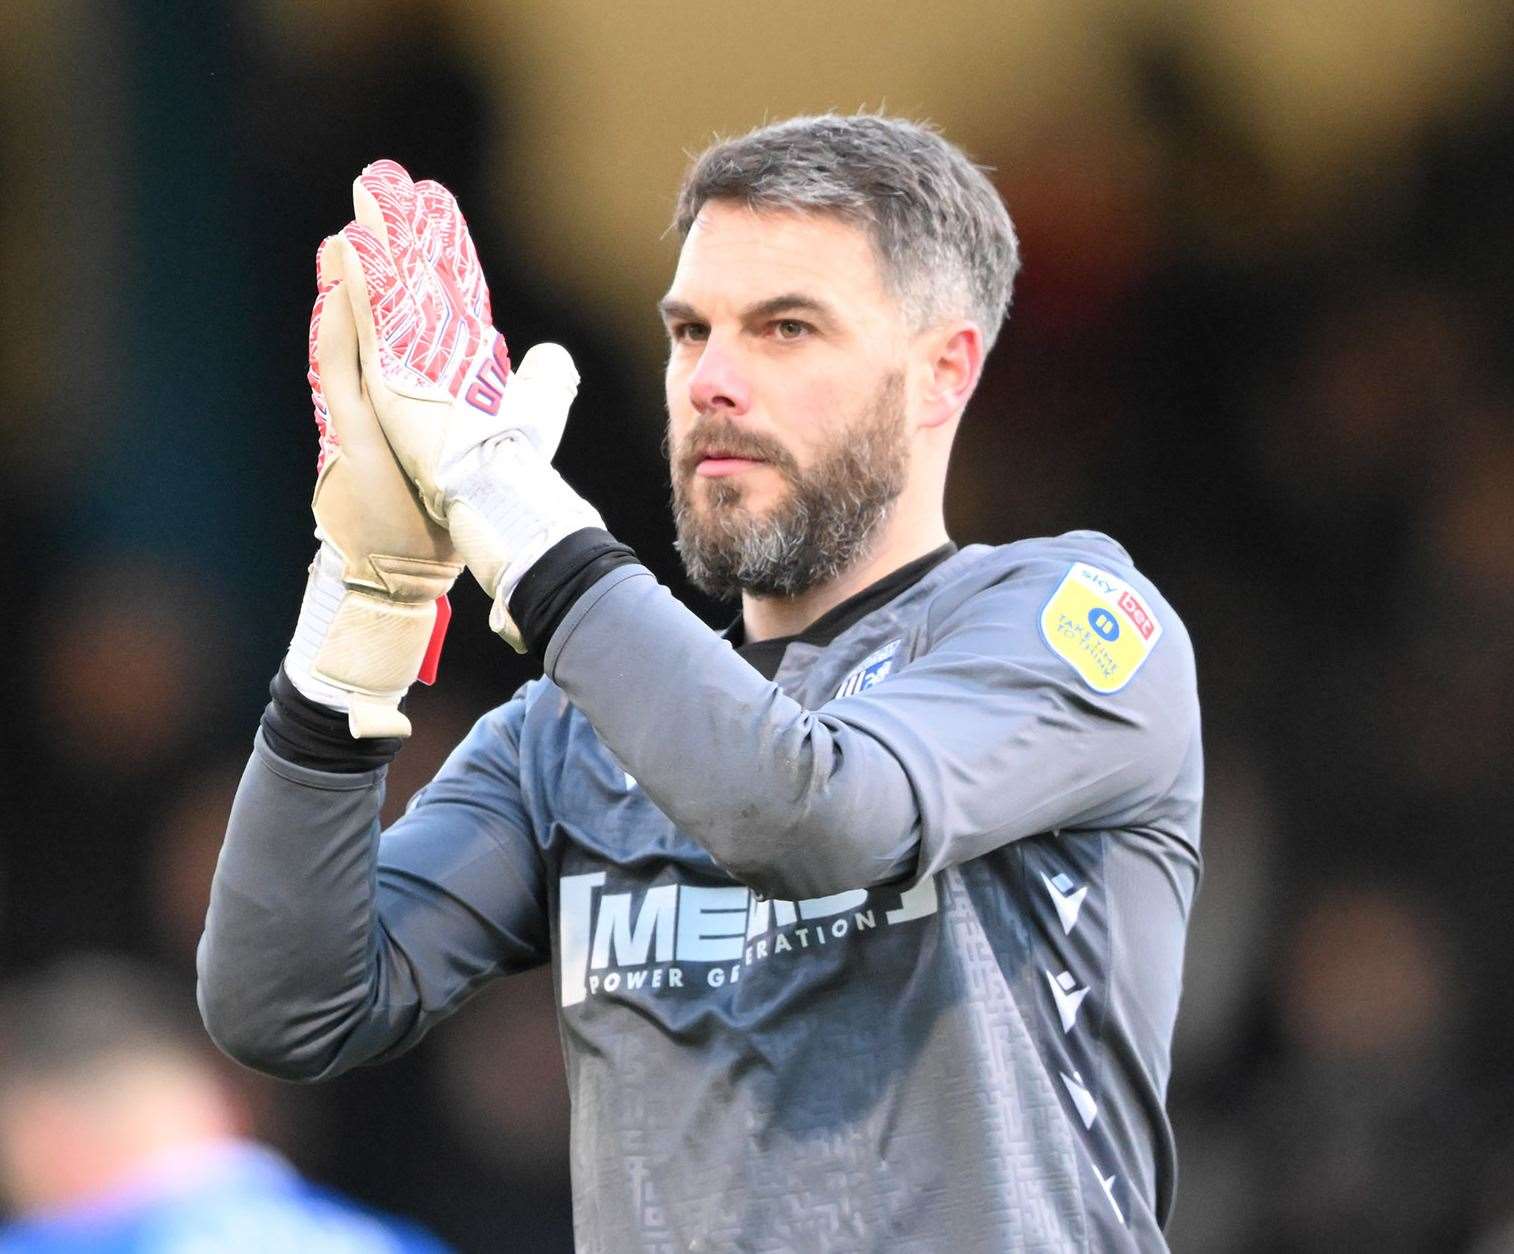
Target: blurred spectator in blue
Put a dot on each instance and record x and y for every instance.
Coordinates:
(118, 1135)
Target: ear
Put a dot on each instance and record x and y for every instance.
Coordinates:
(950, 358)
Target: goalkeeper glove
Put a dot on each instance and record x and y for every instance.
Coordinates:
(476, 439)
(375, 607)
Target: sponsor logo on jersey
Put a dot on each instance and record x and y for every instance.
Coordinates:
(1100, 626)
(875, 668)
(651, 942)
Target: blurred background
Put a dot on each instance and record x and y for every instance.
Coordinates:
(1262, 338)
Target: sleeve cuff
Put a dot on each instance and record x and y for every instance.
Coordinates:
(551, 588)
(316, 736)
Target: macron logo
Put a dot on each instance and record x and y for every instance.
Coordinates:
(1108, 1183)
(1068, 996)
(1067, 902)
(1082, 1099)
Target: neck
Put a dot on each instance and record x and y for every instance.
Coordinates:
(765, 618)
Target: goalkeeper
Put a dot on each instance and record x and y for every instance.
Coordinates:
(866, 914)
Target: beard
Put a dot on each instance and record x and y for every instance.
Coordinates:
(824, 523)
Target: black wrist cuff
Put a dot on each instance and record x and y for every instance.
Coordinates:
(561, 575)
(310, 734)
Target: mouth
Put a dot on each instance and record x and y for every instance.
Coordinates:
(717, 464)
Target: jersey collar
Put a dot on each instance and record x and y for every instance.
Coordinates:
(767, 655)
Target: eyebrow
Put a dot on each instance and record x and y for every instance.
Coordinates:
(789, 302)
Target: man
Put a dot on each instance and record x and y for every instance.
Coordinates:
(117, 1134)
(867, 916)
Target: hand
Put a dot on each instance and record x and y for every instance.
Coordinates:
(475, 438)
(375, 607)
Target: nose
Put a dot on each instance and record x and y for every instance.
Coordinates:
(718, 382)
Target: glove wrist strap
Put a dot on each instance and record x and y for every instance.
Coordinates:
(357, 652)
(324, 591)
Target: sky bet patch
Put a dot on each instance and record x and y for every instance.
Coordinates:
(1100, 626)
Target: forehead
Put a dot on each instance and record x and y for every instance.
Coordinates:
(736, 253)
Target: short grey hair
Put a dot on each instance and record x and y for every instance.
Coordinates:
(944, 242)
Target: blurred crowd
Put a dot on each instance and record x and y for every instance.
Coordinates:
(1297, 414)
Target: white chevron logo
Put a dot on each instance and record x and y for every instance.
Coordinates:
(1068, 903)
(1108, 1183)
(1088, 1109)
(1068, 997)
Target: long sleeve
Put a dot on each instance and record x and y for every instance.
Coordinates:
(327, 945)
(986, 735)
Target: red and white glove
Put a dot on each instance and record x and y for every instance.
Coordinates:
(375, 607)
(476, 439)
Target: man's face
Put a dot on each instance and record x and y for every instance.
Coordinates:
(787, 431)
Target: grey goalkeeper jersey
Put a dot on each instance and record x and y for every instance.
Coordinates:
(882, 954)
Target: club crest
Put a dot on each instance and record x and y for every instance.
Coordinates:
(875, 668)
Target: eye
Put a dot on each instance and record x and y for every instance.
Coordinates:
(791, 329)
(688, 332)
